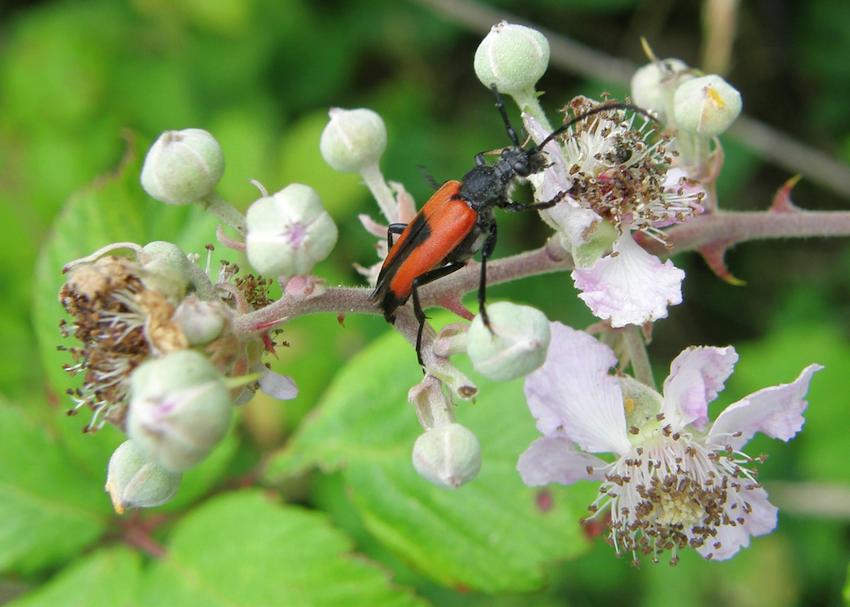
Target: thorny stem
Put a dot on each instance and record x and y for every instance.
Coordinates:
(638, 358)
(731, 227)
(728, 227)
(226, 212)
(349, 300)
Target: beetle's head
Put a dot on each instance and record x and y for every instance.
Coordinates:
(523, 163)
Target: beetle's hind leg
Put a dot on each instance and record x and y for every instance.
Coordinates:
(418, 312)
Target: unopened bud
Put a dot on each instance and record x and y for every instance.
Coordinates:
(653, 85)
(516, 345)
(353, 139)
(706, 106)
(289, 232)
(165, 268)
(133, 481)
(201, 321)
(179, 409)
(182, 166)
(513, 57)
(447, 455)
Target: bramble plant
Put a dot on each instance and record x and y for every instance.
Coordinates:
(169, 348)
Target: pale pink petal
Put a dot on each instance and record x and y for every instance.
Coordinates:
(572, 394)
(555, 177)
(758, 517)
(630, 286)
(277, 386)
(696, 377)
(556, 460)
(568, 217)
(776, 411)
(372, 226)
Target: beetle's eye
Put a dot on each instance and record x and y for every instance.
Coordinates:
(521, 168)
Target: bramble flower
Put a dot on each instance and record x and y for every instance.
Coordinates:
(618, 175)
(121, 318)
(677, 480)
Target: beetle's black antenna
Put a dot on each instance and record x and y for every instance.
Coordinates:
(588, 114)
(500, 105)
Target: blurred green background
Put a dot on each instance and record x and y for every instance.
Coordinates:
(82, 84)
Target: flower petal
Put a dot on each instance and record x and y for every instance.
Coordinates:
(758, 519)
(630, 286)
(556, 460)
(776, 411)
(568, 217)
(277, 386)
(572, 394)
(696, 377)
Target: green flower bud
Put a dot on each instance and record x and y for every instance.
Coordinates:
(289, 232)
(179, 409)
(133, 481)
(165, 268)
(201, 321)
(706, 106)
(353, 139)
(653, 85)
(515, 347)
(182, 166)
(447, 455)
(513, 57)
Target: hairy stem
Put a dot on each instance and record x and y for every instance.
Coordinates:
(722, 226)
(226, 212)
(733, 227)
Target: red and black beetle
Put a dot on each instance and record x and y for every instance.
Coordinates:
(457, 221)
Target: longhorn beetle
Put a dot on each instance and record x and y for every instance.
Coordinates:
(457, 221)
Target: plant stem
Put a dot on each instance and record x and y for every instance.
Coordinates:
(638, 358)
(226, 212)
(380, 192)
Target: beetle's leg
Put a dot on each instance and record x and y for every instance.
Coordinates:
(500, 105)
(418, 312)
(486, 252)
(516, 207)
(394, 228)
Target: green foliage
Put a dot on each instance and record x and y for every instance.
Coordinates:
(243, 549)
(489, 535)
(48, 510)
(108, 577)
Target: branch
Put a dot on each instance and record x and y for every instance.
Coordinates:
(345, 300)
(571, 56)
(731, 227)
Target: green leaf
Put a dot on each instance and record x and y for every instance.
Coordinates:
(489, 535)
(48, 509)
(107, 578)
(242, 549)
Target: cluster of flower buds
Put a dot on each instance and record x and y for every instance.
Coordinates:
(161, 356)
